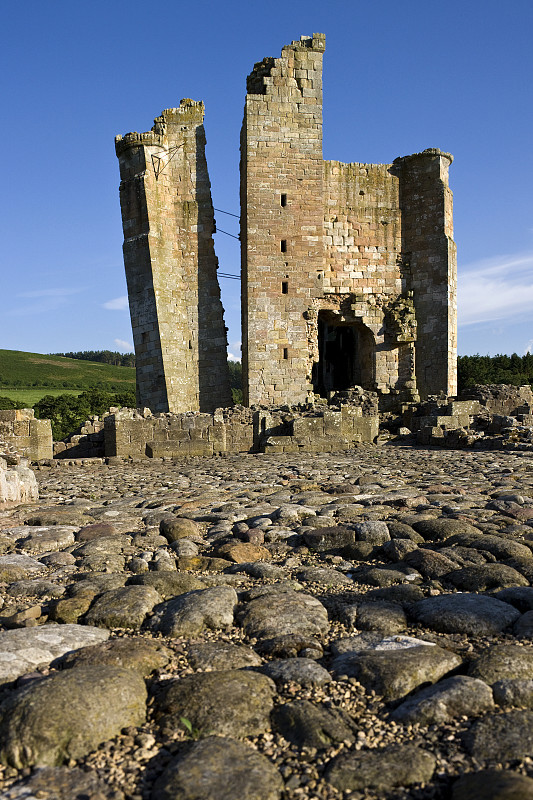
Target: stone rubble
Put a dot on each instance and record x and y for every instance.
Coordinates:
(17, 481)
(287, 626)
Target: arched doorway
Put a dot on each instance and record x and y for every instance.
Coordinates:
(345, 354)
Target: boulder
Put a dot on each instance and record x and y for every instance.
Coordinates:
(66, 715)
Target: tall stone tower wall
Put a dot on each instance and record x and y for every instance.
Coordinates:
(171, 268)
(426, 203)
(348, 270)
(281, 220)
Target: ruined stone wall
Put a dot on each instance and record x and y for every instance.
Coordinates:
(86, 442)
(281, 220)
(501, 398)
(363, 266)
(430, 253)
(30, 437)
(17, 481)
(355, 259)
(132, 434)
(168, 222)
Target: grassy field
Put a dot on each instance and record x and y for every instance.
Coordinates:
(32, 375)
(32, 396)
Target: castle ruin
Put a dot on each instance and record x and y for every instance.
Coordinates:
(171, 268)
(348, 270)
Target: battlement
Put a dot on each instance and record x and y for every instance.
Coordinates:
(429, 152)
(189, 112)
(135, 139)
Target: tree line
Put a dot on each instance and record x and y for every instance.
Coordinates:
(67, 412)
(513, 369)
(102, 356)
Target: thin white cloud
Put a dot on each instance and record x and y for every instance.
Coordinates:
(123, 345)
(495, 289)
(59, 292)
(529, 347)
(232, 357)
(43, 301)
(117, 304)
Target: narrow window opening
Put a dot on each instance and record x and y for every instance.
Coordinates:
(283, 200)
(190, 345)
(361, 194)
(283, 245)
(285, 352)
(284, 287)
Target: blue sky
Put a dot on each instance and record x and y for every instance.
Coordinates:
(399, 76)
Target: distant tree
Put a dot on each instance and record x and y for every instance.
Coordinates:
(67, 412)
(8, 403)
(514, 369)
(102, 357)
(235, 380)
(235, 374)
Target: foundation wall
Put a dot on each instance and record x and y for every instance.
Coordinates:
(130, 435)
(30, 437)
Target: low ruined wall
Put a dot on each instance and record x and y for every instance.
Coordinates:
(493, 417)
(17, 482)
(132, 434)
(86, 442)
(501, 398)
(30, 437)
(324, 431)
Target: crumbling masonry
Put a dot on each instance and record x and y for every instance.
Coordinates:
(168, 221)
(348, 270)
(349, 274)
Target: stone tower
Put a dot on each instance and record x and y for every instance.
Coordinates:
(171, 268)
(348, 270)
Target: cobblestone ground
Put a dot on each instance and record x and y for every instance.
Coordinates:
(301, 626)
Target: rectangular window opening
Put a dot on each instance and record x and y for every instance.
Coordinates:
(284, 287)
(283, 245)
(283, 200)
(285, 352)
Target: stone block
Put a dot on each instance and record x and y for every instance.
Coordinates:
(21, 428)
(367, 428)
(468, 407)
(308, 427)
(332, 423)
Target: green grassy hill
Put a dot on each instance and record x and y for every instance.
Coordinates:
(29, 376)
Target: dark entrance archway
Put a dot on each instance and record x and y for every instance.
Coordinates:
(345, 354)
